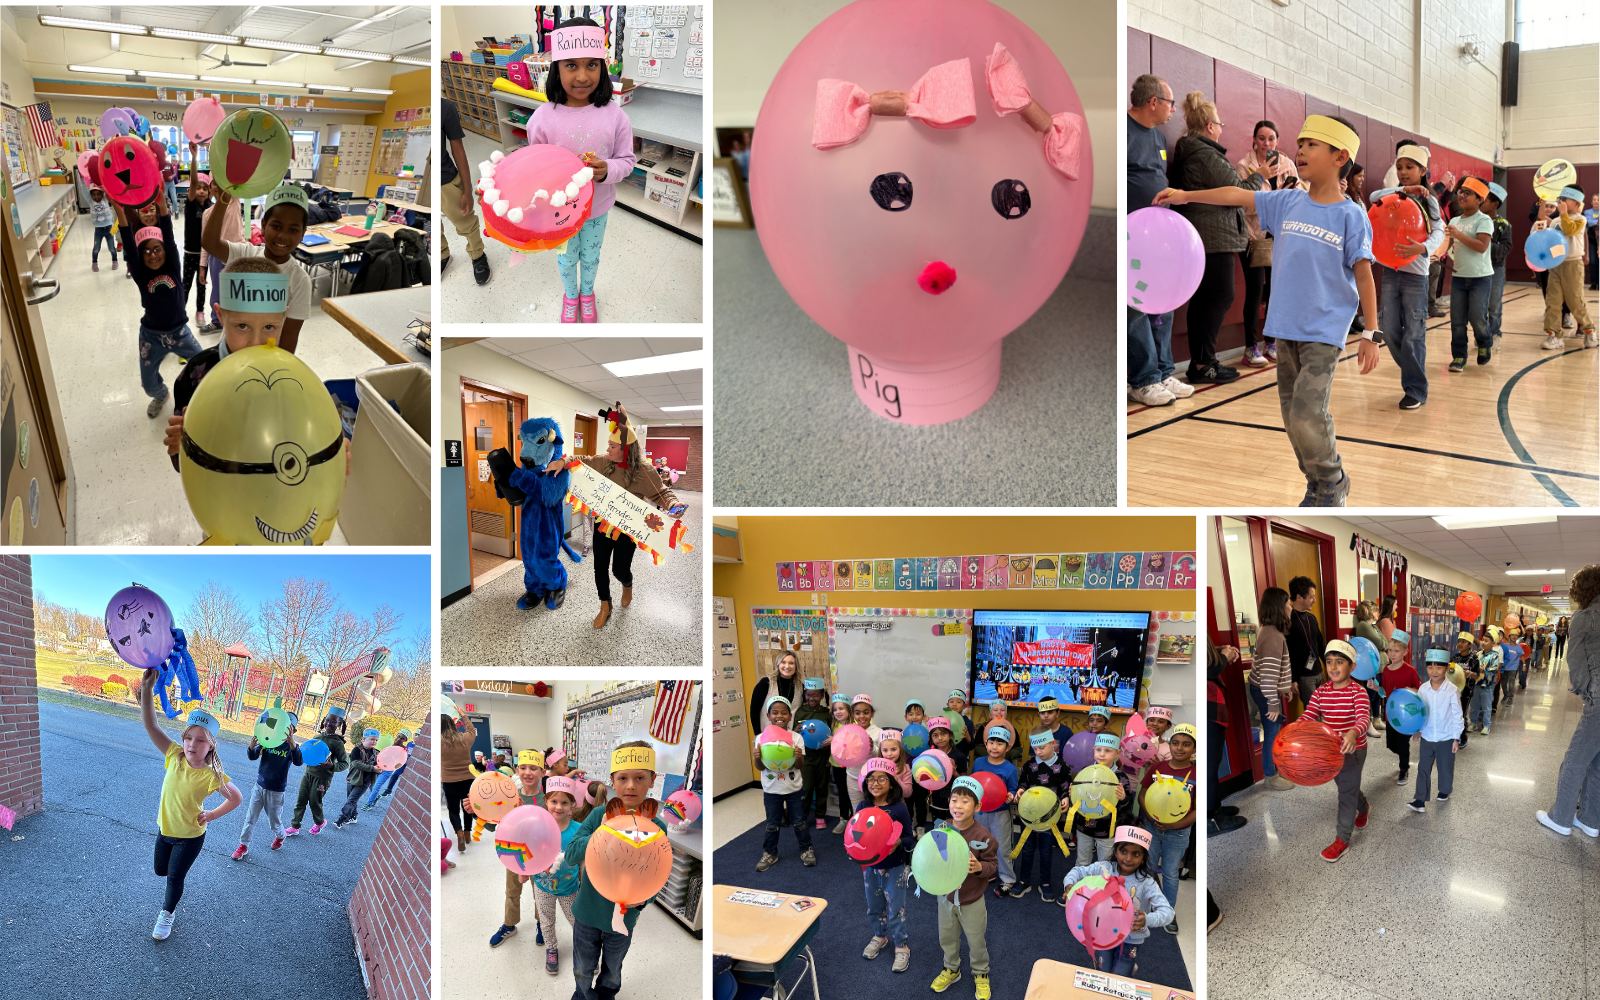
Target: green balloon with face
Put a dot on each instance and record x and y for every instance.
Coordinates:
(250, 152)
(272, 728)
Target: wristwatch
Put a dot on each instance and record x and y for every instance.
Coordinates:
(1376, 336)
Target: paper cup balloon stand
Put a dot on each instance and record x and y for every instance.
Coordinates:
(250, 152)
(537, 198)
(921, 191)
(653, 530)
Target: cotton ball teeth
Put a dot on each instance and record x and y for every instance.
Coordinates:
(485, 168)
(572, 191)
(541, 193)
(490, 195)
(515, 215)
(496, 156)
(583, 176)
(558, 199)
(501, 206)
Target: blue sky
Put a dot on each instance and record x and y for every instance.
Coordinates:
(362, 582)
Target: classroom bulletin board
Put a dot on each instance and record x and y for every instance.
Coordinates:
(591, 729)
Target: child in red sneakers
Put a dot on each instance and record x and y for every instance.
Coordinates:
(1341, 705)
(272, 780)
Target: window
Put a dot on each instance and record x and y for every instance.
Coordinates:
(1552, 24)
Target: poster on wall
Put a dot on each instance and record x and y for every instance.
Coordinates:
(1013, 571)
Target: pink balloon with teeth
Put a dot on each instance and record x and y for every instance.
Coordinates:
(921, 176)
(539, 200)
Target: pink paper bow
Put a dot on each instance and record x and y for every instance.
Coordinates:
(941, 99)
(1008, 91)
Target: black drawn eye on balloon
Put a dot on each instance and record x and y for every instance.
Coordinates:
(892, 191)
(289, 463)
(1010, 198)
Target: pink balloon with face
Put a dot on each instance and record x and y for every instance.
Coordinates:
(201, 118)
(920, 247)
(528, 221)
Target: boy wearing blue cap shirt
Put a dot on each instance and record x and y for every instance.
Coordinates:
(1565, 284)
(814, 766)
(1046, 769)
(272, 780)
(362, 774)
(283, 224)
(998, 821)
(1440, 733)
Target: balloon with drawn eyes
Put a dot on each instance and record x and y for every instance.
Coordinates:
(536, 198)
(250, 152)
(871, 835)
(493, 795)
(129, 171)
(1100, 912)
(1167, 799)
(139, 625)
(814, 732)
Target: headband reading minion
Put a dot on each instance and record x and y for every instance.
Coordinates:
(254, 293)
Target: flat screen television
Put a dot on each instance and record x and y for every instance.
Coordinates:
(1080, 658)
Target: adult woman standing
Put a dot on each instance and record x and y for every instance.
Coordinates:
(455, 771)
(1578, 786)
(784, 680)
(1200, 162)
(1386, 617)
(623, 464)
(1561, 637)
(1277, 172)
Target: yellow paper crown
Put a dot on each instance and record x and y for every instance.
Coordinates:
(1337, 135)
(628, 758)
(533, 757)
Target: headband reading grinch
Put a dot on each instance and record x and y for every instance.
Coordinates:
(247, 291)
(631, 758)
(580, 41)
(1334, 133)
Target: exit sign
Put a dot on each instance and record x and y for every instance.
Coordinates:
(1545, 589)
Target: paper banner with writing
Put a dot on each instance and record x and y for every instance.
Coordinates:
(1064, 571)
(1071, 571)
(652, 529)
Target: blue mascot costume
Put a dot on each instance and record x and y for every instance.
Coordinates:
(544, 577)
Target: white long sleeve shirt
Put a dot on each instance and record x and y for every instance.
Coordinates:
(1445, 720)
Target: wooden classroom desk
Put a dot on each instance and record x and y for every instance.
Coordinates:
(758, 934)
(378, 319)
(1053, 981)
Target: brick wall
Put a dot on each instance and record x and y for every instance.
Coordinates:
(391, 909)
(691, 479)
(21, 776)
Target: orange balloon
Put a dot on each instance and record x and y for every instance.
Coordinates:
(628, 859)
(1468, 606)
(493, 795)
(1396, 220)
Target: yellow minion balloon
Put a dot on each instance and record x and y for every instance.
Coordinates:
(263, 451)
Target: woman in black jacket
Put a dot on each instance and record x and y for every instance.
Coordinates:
(1200, 162)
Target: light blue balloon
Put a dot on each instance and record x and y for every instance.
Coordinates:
(1546, 248)
(1367, 660)
(1407, 712)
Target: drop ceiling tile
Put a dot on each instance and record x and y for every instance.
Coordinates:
(603, 349)
(583, 374)
(673, 345)
(554, 357)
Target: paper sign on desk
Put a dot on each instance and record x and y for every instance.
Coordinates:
(1099, 982)
(750, 897)
(314, 240)
(353, 231)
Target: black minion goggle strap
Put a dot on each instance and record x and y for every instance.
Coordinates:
(290, 463)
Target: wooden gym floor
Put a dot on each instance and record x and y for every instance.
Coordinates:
(1521, 431)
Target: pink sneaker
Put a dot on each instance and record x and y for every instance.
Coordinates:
(318, 828)
(822, 824)
(586, 308)
(291, 831)
(569, 310)
(239, 852)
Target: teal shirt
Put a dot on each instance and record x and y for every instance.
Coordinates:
(1469, 263)
(591, 907)
(565, 880)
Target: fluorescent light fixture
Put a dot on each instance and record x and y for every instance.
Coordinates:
(328, 86)
(1533, 572)
(1470, 521)
(279, 83)
(266, 43)
(657, 364)
(412, 62)
(195, 36)
(111, 70)
(370, 90)
(357, 54)
(226, 79)
(168, 76)
(51, 21)
(355, 65)
(675, 409)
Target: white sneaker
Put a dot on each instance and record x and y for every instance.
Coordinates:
(1177, 387)
(1154, 394)
(1591, 831)
(1566, 322)
(163, 926)
(1590, 340)
(1544, 818)
(1552, 343)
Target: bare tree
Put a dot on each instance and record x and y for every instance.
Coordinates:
(345, 636)
(290, 627)
(409, 695)
(215, 619)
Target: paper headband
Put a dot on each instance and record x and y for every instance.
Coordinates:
(1476, 186)
(147, 233)
(938, 722)
(840, 698)
(1411, 151)
(1401, 636)
(629, 758)
(1000, 733)
(1159, 712)
(1184, 730)
(812, 684)
(532, 757)
(1049, 705)
(1436, 656)
(917, 702)
(580, 41)
(370, 734)
(1041, 739)
(969, 783)
(1325, 129)
(1572, 194)
(1107, 740)
(556, 756)
(1133, 835)
(247, 291)
(957, 694)
(1339, 647)
(200, 717)
(943, 99)
(775, 700)
(1102, 711)
(890, 734)
(883, 764)
(572, 786)
(862, 699)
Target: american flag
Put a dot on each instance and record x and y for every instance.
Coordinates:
(45, 135)
(672, 703)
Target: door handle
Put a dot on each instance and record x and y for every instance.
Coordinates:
(36, 283)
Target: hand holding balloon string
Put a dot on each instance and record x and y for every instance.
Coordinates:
(596, 163)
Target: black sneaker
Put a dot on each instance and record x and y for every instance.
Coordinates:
(1444, 796)
(1458, 364)
(1213, 374)
(1044, 894)
(1224, 824)
(1417, 806)
(1002, 890)
(1021, 889)
(1405, 776)
(1410, 403)
(480, 269)
(443, 264)
(1228, 810)
(1483, 355)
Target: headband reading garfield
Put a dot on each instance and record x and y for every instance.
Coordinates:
(629, 758)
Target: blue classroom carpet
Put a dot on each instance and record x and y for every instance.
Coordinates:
(1021, 931)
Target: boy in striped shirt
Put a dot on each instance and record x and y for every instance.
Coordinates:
(1341, 705)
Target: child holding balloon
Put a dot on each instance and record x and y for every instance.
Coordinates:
(1470, 232)
(558, 886)
(283, 224)
(1341, 705)
(1403, 290)
(156, 268)
(272, 780)
(1441, 732)
(103, 217)
(814, 768)
(998, 819)
(1045, 769)
(1484, 675)
(915, 715)
(1130, 861)
(781, 788)
(885, 879)
(861, 713)
(1499, 251)
(1169, 839)
(529, 780)
(361, 775)
(891, 747)
(964, 911)
(1095, 834)
(314, 781)
(1398, 674)
(194, 772)
(961, 750)
(939, 798)
(839, 715)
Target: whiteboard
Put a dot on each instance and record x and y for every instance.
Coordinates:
(595, 730)
(898, 657)
(664, 45)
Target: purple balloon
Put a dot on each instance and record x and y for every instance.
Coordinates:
(139, 624)
(1165, 260)
(115, 122)
(1079, 751)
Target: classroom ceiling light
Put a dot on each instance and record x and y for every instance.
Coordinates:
(1533, 572)
(51, 21)
(328, 86)
(112, 70)
(1470, 521)
(267, 43)
(412, 62)
(279, 83)
(168, 76)
(227, 79)
(195, 36)
(357, 54)
(656, 364)
(675, 409)
(370, 90)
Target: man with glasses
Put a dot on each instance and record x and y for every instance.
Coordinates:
(1150, 370)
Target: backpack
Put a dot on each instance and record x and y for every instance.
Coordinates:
(382, 267)
(413, 250)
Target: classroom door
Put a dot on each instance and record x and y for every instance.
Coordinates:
(584, 429)
(482, 742)
(488, 422)
(33, 444)
(1292, 556)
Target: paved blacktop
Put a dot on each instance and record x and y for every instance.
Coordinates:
(81, 895)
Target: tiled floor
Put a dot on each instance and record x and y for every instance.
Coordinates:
(661, 628)
(1472, 896)
(647, 274)
(126, 492)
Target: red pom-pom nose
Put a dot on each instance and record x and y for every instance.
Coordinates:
(936, 277)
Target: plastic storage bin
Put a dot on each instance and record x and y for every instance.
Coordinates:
(388, 500)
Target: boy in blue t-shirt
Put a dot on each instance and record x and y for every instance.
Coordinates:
(998, 821)
(1510, 659)
(1321, 273)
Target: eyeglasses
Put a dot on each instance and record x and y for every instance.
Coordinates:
(1168, 100)
(147, 251)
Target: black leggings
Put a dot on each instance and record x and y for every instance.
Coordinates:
(454, 793)
(612, 556)
(1208, 307)
(174, 857)
(841, 787)
(191, 271)
(1257, 289)
(1561, 645)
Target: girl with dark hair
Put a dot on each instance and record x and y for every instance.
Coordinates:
(623, 464)
(581, 117)
(1386, 615)
(1271, 684)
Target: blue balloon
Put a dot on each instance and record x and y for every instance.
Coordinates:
(1546, 248)
(1407, 712)
(1367, 660)
(724, 986)
(914, 739)
(813, 732)
(314, 752)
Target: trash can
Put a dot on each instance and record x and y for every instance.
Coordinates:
(388, 500)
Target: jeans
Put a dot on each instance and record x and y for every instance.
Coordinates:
(1435, 752)
(1352, 801)
(583, 248)
(352, 803)
(394, 776)
(886, 903)
(1257, 290)
(1305, 381)
(262, 801)
(1403, 315)
(1208, 307)
(1119, 960)
(174, 857)
(1482, 705)
(998, 822)
(103, 233)
(1166, 856)
(1149, 348)
(1087, 846)
(597, 961)
(971, 919)
(1269, 728)
(154, 346)
(612, 555)
(1578, 785)
(1041, 844)
(215, 266)
(792, 806)
(1469, 303)
(1497, 291)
